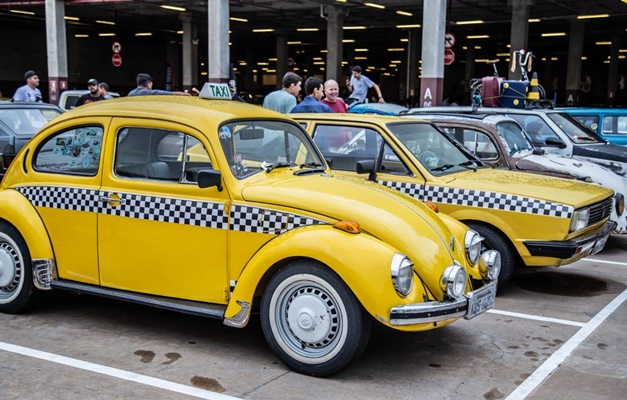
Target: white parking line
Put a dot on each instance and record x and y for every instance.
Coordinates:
(116, 373)
(552, 363)
(603, 261)
(538, 318)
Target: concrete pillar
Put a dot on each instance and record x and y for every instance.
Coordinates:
(573, 68)
(188, 78)
(335, 34)
(612, 76)
(56, 48)
(282, 55)
(469, 72)
(433, 30)
(412, 64)
(520, 31)
(249, 81)
(219, 53)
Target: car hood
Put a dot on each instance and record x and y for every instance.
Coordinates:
(400, 221)
(556, 190)
(609, 155)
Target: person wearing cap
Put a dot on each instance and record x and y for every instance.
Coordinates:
(92, 96)
(29, 92)
(144, 88)
(104, 90)
(358, 85)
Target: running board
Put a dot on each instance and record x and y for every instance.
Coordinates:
(183, 306)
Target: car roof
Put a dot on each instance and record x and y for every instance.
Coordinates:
(385, 107)
(354, 117)
(8, 104)
(594, 110)
(479, 110)
(476, 119)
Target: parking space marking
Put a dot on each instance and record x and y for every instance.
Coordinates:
(538, 318)
(116, 373)
(553, 362)
(603, 261)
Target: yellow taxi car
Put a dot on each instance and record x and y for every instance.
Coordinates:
(215, 207)
(531, 220)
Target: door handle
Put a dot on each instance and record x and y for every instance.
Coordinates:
(110, 200)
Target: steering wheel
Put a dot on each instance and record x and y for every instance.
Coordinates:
(428, 159)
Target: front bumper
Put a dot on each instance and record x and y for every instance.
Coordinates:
(472, 304)
(581, 246)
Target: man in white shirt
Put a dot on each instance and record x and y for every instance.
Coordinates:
(29, 92)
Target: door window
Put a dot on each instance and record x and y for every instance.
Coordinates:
(345, 145)
(72, 152)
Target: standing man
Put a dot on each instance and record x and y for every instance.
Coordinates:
(144, 88)
(358, 85)
(284, 100)
(314, 89)
(92, 96)
(331, 92)
(104, 90)
(29, 92)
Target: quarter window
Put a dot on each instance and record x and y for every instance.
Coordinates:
(75, 151)
(346, 145)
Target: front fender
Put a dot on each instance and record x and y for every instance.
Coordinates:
(19, 212)
(361, 260)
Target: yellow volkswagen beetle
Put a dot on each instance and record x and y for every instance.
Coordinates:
(214, 207)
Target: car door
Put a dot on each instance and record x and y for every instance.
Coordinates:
(159, 233)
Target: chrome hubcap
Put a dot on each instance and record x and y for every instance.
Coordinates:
(10, 268)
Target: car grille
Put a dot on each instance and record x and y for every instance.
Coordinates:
(600, 210)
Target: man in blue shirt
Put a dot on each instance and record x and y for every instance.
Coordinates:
(314, 89)
(144, 88)
(358, 85)
(29, 92)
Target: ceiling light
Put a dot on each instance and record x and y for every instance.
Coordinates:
(273, 59)
(593, 16)
(106, 34)
(238, 19)
(543, 58)
(603, 43)
(204, 73)
(307, 29)
(317, 58)
(341, 1)
(464, 47)
(143, 34)
(404, 40)
(361, 49)
(361, 58)
(243, 63)
(405, 13)
(373, 5)
(478, 37)
(323, 51)
(81, 35)
(408, 26)
(353, 27)
(477, 47)
(584, 58)
(263, 30)
(623, 50)
(481, 60)
(553, 34)
(180, 32)
(262, 63)
(99, 21)
(396, 49)
(474, 22)
(318, 62)
(22, 12)
(174, 8)
(71, 18)
(395, 62)
(348, 40)
(502, 54)
(533, 20)
(294, 42)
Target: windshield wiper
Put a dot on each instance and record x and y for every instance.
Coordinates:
(468, 164)
(269, 167)
(443, 167)
(310, 165)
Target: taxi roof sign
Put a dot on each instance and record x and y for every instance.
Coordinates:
(215, 91)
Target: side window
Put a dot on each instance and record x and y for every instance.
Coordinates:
(536, 128)
(392, 163)
(479, 144)
(591, 121)
(608, 124)
(346, 145)
(74, 152)
(158, 154)
(621, 125)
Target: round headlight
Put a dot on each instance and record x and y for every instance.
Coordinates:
(472, 244)
(580, 219)
(454, 281)
(619, 201)
(490, 265)
(402, 270)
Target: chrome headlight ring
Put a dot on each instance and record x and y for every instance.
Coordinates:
(580, 219)
(402, 271)
(472, 245)
(453, 281)
(490, 265)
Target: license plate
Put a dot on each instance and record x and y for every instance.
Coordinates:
(600, 244)
(480, 300)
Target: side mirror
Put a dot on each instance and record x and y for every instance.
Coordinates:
(538, 151)
(366, 166)
(555, 142)
(329, 162)
(209, 178)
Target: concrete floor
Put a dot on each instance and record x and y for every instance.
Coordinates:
(546, 338)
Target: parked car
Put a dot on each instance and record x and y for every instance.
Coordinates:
(609, 123)
(378, 108)
(69, 98)
(19, 121)
(241, 214)
(530, 220)
(501, 142)
(555, 131)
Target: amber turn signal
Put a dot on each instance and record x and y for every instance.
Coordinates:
(347, 226)
(432, 206)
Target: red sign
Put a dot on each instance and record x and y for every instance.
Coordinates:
(449, 56)
(116, 60)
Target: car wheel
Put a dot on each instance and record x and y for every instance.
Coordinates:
(312, 320)
(17, 290)
(495, 240)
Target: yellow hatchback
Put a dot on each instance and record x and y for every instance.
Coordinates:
(216, 208)
(531, 220)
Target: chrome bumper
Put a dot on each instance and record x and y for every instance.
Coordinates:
(472, 304)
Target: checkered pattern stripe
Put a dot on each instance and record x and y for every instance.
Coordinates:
(164, 209)
(65, 198)
(482, 199)
(261, 220)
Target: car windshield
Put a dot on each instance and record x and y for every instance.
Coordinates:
(576, 131)
(26, 121)
(256, 146)
(433, 149)
(514, 137)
